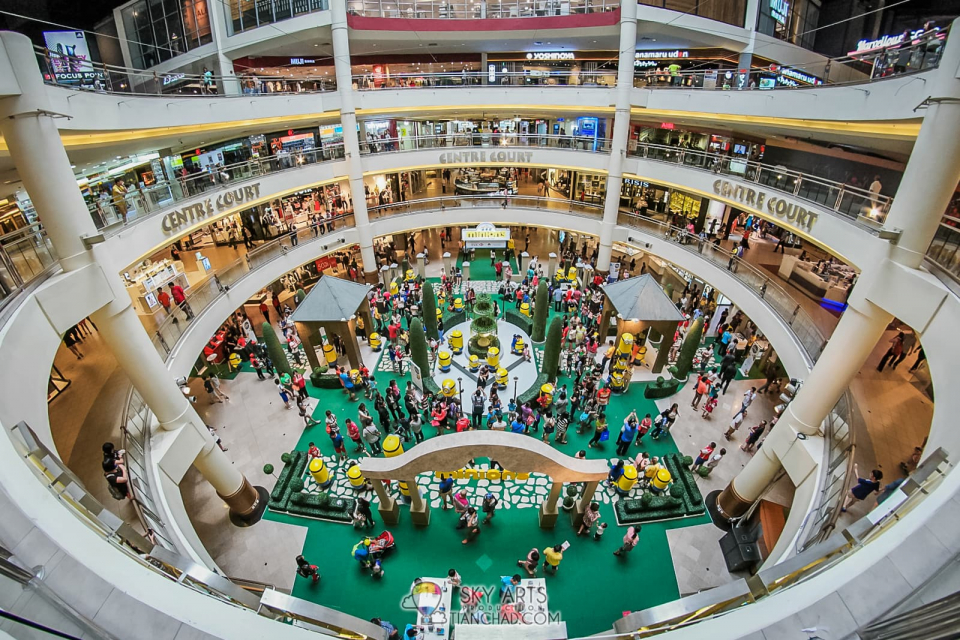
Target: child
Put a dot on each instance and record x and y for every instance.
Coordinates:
(708, 408)
(313, 451)
(563, 421)
(601, 528)
(643, 428)
(338, 445)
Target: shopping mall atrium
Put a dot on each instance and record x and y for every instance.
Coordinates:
(534, 319)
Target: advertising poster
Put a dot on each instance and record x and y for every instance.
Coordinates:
(70, 57)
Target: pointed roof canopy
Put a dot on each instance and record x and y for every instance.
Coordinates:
(332, 299)
(642, 299)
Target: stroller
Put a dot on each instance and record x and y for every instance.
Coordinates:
(382, 545)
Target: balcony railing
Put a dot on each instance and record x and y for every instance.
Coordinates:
(373, 145)
(201, 296)
(866, 209)
(467, 78)
(944, 250)
(142, 203)
(807, 564)
(472, 10)
(25, 254)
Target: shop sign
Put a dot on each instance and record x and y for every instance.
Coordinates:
(173, 77)
(779, 9)
(660, 55)
(791, 77)
(196, 212)
(551, 55)
(776, 206)
(886, 41)
(630, 182)
(644, 64)
(486, 236)
(301, 61)
(482, 474)
(457, 157)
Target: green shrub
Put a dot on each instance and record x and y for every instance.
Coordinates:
(429, 311)
(418, 347)
(533, 391)
(268, 469)
(687, 461)
(676, 491)
(540, 311)
(483, 324)
(277, 355)
(688, 350)
(646, 499)
(703, 471)
(661, 389)
(285, 458)
(296, 485)
(551, 350)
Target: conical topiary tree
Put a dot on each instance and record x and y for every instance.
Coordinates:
(418, 347)
(551, 351)
(404, 267)
(689, 348)
(275, 350)
(299, 296)
(540, 311)
(430, 312)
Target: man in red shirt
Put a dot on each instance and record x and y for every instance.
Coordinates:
(265, 310)
(164, 298)
(181, 299)
(704, 455)
(392, 330)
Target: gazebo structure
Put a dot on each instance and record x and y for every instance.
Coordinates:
(333, 304)
(640, 304)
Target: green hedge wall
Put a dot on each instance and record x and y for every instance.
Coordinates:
(516, 318)
(659, 390)
(534, 391)
(309, 505)
(665, 506)
(452, 319)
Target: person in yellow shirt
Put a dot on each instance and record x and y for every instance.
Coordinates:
(119, 198)
(552, 557)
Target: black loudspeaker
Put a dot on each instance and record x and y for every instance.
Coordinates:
(737, 556)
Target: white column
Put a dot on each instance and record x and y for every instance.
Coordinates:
(860, 328)
(348, 117)
(857, 333)
(228, 85)
(933, 171)
(30, 131)
(750, 17)
(621, 131)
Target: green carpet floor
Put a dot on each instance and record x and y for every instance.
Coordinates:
(480, 267)
(593, 587)
(588, 592)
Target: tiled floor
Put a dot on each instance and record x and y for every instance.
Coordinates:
(256, 429)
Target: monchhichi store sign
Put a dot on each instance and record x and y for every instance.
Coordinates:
(457, 157)
(186, 216)
(791, 212)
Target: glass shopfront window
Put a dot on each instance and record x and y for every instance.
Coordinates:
(790, 20)
(728, 11)
(158, 30)
(250, 14)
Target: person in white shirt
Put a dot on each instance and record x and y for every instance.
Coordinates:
(716, 458)
(874, 189)
(734, 425)
(748, 398)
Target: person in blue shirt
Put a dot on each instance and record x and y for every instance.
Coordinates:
(516, 426)
(627, 433)
(863, 488)
(508, 587)
(615, 472)
(446, 487)
(392, 633)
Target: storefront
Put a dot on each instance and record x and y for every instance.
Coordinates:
(586, 68)
(671, 134)
(648, 199)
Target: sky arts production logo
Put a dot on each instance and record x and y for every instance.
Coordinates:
(479, 604)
